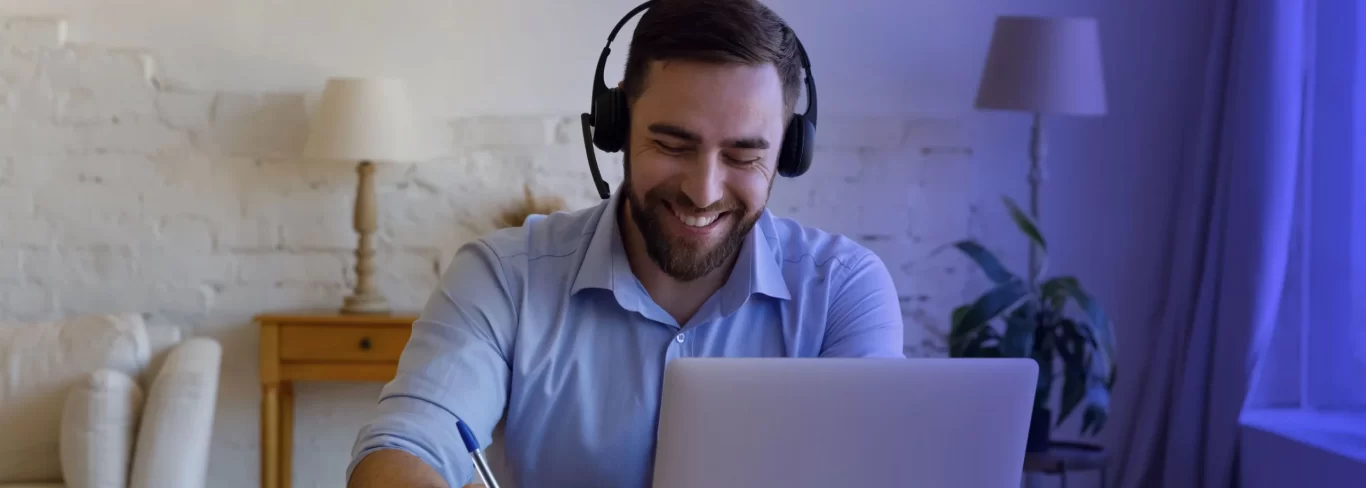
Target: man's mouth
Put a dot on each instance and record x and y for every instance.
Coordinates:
(697, 220)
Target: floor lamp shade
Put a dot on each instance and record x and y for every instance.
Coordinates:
(1048, 65)
(362, 119)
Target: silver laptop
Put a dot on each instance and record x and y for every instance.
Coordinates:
(844, 422)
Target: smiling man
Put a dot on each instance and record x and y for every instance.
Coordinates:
(561, 329)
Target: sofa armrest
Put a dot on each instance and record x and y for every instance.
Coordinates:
(172, 447)
(99, 424)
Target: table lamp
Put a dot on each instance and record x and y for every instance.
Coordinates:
(363, 120)
(1042, 65)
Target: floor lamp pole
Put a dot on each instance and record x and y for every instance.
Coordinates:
(1037, 176)
(1036, 179)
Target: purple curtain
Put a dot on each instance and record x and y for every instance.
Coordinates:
(1228, 255)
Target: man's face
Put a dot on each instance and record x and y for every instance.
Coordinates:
(700, 160)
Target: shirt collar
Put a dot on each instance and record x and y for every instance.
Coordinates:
(605, 266)
(764, 263)
(595, 271)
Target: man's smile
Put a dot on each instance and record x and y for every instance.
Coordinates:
(695, 223)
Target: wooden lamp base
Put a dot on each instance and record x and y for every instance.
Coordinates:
(365, 299)
(365, 305)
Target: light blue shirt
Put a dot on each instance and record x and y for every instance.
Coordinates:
(547, 325)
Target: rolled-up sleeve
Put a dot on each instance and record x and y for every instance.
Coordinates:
(865, 312)
(454, 367)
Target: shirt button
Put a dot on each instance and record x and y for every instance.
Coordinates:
(679, 338)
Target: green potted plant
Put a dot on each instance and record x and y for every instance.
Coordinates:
(1028, 317)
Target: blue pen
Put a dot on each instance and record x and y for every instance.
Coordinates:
(480, 464)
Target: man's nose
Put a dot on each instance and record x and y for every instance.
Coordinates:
(702, 184)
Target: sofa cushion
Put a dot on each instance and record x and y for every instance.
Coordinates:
(39, 364)
(99, 424)
(173, 442)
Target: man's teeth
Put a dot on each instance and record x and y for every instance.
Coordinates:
(697, 221)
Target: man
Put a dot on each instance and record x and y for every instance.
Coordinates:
(562, 328)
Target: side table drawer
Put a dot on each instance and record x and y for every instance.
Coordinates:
(342, 343)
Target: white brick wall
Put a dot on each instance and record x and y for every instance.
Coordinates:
(120, 193)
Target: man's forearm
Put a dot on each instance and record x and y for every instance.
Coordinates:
(392, 468)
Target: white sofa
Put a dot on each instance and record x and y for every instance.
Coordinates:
(105, 401)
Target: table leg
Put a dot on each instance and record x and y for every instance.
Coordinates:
(270, 435)
(286, 433)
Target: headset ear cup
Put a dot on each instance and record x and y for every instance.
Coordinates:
(602, 120)
(808, 147)
(610, 121)
(795, 157)
(621, 118)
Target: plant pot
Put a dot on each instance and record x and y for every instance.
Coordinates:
(1039, 430)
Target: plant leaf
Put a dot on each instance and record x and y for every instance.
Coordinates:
(1072, 349)
(988, 307)
(1025, 223)
(972, 344)
(978, 348)
(990, 265)
(1099, 328)
(957, 341)
(985, 343)
(1018, 341)
(1044, 346)
(1097, 409)
(1055, 291)
(1098, 367)
(958, 314)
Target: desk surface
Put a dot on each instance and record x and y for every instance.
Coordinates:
(329, 318)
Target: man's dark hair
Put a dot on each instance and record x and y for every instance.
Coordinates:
(719, 31)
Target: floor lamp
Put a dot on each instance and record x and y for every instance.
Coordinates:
(363, 121)
(1042, 65)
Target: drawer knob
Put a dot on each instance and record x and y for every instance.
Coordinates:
(365, 344)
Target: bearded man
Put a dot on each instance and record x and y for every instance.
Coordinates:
(561, 328)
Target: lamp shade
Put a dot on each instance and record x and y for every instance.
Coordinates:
(362, 119)
(1045, 65)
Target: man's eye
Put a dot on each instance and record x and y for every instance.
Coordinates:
(744, 159)
(668, 149)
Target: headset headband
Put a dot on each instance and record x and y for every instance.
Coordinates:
(600, 87)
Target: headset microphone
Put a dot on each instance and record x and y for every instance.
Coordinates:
(610, 119)
(604, 189)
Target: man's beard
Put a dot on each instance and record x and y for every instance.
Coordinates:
(678, 259)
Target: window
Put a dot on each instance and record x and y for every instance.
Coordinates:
(1316, 356)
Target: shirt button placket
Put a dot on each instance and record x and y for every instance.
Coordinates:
(676, 347)
(673, 348)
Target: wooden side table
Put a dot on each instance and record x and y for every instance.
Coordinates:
(1064, 457)
(317, 347)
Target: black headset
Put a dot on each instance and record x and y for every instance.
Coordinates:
(610, 119)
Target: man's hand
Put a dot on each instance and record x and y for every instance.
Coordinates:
(393, 468)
